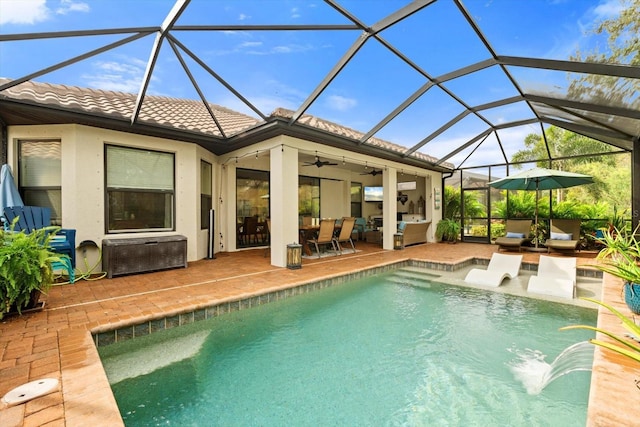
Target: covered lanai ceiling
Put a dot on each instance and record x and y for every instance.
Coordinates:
(459, 81)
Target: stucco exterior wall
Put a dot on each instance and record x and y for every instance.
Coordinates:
(83, 179)
(83, 182)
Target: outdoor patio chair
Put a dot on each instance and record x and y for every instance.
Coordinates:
(517, 234)
(35, 217)
(325, 235)
(500, 267)
(360, 227)
(556, 277)
(345, 233)
(564, 235)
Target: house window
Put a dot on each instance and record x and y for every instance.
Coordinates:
(40, 175)
(356, 199)
(205, 194)
(140, 189)
(309, 196)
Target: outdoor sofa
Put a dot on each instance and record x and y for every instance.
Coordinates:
(414, 232)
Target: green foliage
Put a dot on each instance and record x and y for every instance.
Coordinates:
(453, 208)
(518, 204)
(562, 144)
(25, 266)
(617, 220)
(568, 210)
(498, 229)
(448, 230)
(628, 348)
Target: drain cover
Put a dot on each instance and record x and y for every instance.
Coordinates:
(30, 391)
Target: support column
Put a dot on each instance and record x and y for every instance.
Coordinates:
(283, 198)
(389, 207)
(227, 207)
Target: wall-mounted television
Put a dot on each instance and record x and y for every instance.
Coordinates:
(372, 194)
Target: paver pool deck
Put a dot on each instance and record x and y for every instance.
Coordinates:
(57, 342)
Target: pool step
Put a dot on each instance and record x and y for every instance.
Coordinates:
(412, 276)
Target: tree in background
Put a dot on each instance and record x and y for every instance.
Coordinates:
(623, 47)
(611, 172)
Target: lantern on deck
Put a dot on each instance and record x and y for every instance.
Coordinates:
(294, 256)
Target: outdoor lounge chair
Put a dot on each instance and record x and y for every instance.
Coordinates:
(500, 267)
(517, 234)
(345, 233)
(564, 235)
(556, 277)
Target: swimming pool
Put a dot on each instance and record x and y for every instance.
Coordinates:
(387, 350)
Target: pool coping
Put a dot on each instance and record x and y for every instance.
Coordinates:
(93, 402)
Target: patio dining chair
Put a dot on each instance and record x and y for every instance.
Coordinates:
(249, 231)
(325, 235)
(344, 236)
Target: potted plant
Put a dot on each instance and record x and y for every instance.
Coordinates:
(620, 257)
(448, 230)
(25, 268)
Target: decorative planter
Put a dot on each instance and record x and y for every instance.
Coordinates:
(632, 296)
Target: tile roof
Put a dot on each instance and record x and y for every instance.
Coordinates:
(183, 114)
(179, 114)
(340, 130)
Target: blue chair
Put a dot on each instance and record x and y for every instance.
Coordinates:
(360, 226)
(35, 217)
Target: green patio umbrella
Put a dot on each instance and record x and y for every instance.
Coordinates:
(541, 179)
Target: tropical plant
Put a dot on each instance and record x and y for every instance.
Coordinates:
(617, 219)
(452, 204)
(628, 348)
(620, 255)
(25, 267)
(448, 230)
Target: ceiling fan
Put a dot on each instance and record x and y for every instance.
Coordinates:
(320, 163)
(373, 172)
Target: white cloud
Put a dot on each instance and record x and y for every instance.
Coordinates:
(31, 12)
(340, 103)
(118, 76)
(608, 9)
(295, 13)
(23, 11)
(67, 6)
(250, 44)
(243, 17)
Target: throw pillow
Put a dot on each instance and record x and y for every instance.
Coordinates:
(516, 235)
(561, 236)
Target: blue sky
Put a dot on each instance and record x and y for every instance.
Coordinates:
(280, 69)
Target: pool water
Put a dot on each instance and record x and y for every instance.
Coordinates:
(387, 350)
